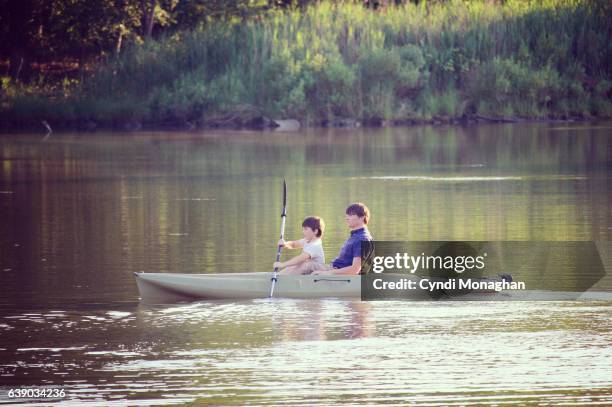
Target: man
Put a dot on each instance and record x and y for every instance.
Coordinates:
(349, 259)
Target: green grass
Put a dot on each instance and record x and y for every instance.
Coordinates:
(531, 59)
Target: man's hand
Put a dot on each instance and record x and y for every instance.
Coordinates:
(277, 264)
(282, 243)
(320, 272)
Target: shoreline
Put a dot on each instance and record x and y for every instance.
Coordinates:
(433, 64)
(280, 125)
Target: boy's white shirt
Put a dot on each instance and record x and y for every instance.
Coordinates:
(314, 248)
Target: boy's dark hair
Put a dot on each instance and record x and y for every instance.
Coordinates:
(315, 223)
(360, 210)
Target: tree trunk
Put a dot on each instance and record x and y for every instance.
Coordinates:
(148, 17)
(17, 40)
(119, 42)
(16, 63)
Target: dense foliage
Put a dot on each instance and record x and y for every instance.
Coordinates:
(547, 58)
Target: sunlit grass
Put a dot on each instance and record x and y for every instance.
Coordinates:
(549, 58)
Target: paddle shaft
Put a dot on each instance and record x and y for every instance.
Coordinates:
(282, 234)
(278, 255)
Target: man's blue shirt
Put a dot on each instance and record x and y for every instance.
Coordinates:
(351, 248)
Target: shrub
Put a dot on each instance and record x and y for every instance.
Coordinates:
(332, 90)
(507, 85)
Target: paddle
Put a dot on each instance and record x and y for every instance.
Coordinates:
(282, 233)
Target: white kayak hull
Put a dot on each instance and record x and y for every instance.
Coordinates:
(175, 287)
(166, 288)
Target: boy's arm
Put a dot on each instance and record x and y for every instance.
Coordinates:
(291, 244)
(296, 260)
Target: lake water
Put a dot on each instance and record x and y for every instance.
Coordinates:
(79, 213)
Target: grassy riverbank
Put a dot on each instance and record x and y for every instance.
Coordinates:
(545, 59)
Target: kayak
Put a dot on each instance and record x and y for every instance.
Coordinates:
(176, 287)
(165, 288)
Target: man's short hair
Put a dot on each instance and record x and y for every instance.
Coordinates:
(360, 210)
(315, 223)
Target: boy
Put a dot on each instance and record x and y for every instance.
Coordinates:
(312, 257)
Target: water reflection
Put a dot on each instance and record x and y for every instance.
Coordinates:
(80, 213)
(323, 352)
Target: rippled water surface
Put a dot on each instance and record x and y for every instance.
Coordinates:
(79, 213)
(316, 352)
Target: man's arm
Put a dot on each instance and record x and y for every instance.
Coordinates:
(354, 268)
